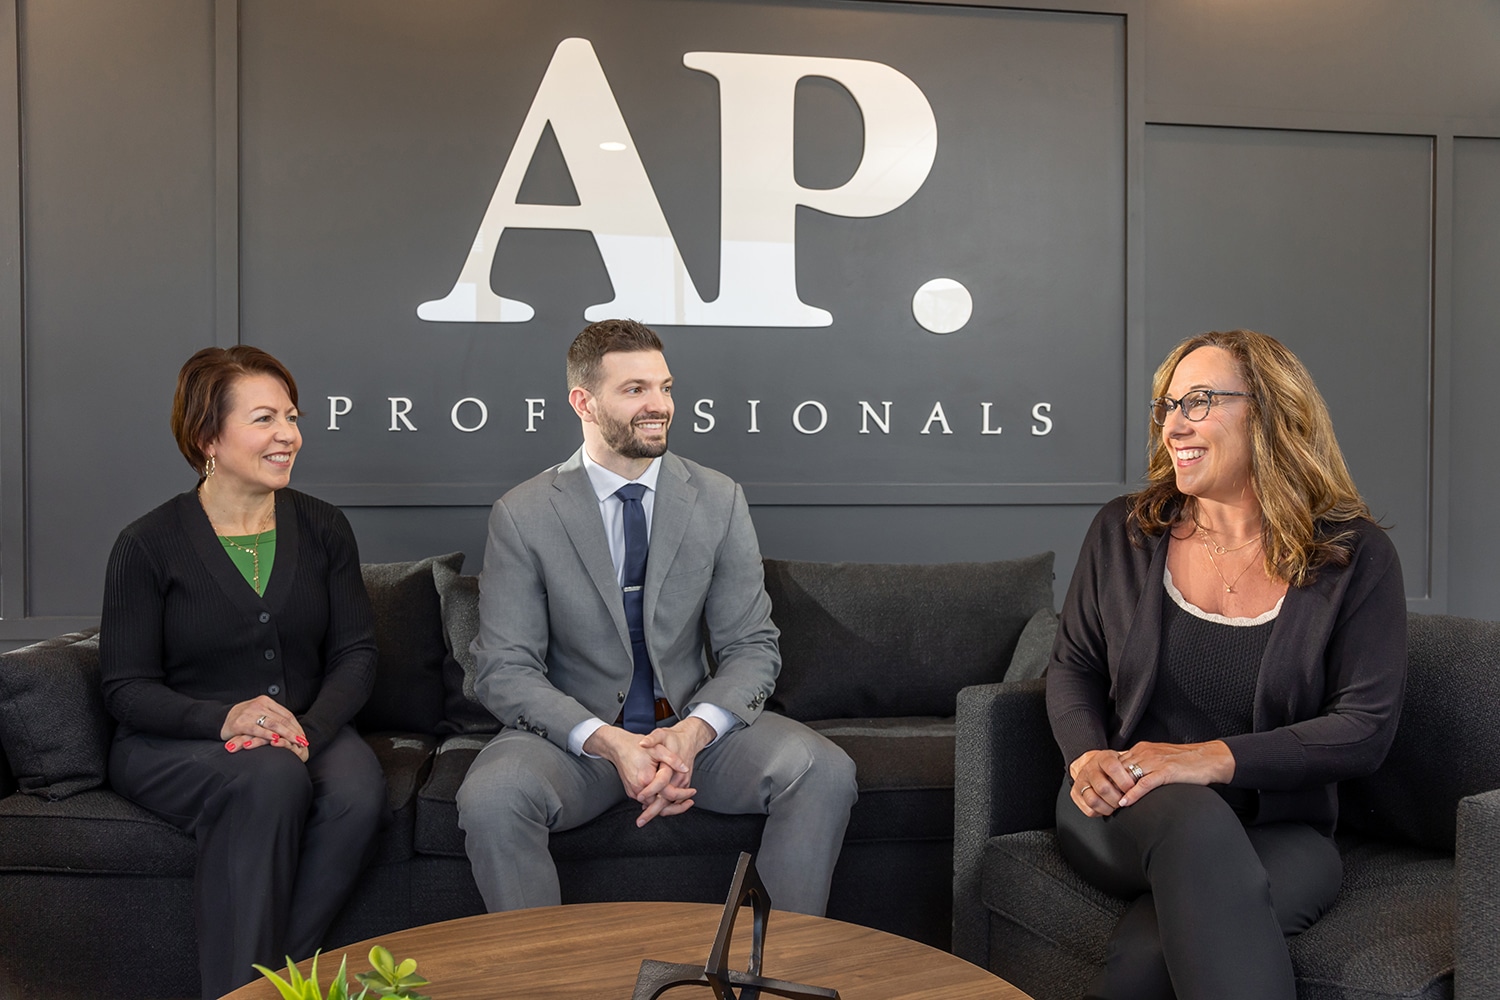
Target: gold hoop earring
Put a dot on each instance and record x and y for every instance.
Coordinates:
(210, 467)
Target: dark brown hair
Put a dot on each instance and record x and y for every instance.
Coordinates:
(201, 401)
(1296, 469)
(601, 338)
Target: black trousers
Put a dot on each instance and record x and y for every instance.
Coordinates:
(280, 843)
(1213, 900)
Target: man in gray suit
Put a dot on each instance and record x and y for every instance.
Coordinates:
(596, 714)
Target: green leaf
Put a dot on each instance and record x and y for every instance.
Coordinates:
(286, 989)
(383, 963)
(405, 969)
(339, 988)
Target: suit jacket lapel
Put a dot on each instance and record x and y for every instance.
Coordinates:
(578, 510)
(670, 515)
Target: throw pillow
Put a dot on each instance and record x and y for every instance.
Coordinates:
(879, 640)
(53, 723)
(1034, 648)
(459, 597)
(408, 694)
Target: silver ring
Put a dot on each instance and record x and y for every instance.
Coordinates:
(1135, 771)
(261, 721)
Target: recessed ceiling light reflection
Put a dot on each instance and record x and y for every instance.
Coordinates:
(613, 147)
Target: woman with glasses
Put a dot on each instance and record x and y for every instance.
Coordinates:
(1232, 645)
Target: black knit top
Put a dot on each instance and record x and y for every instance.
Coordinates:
(184, 637)
(1205, 683)
(1205, 678)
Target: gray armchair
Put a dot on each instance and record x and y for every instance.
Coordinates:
(1418, 915)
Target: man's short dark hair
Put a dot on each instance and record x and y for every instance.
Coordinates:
(601, 338)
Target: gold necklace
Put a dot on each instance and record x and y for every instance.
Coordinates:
(1208, 539)
(253, 549)
(1228, 586)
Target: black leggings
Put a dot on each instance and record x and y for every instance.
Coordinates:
(1213, 900)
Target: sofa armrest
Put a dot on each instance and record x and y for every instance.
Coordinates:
(1006, 773)
(1476, 870)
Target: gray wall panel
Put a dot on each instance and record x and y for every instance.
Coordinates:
(1475, 481)
(1368, 57)
(118, 182)
(1321, 240)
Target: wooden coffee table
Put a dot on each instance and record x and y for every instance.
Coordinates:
(592, 951)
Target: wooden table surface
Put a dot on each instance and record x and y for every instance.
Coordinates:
(592, 951)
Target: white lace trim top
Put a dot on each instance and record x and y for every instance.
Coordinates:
(1209, 616)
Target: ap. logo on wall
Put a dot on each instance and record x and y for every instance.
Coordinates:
(760, 194)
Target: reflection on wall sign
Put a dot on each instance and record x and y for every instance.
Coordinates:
(760, 194)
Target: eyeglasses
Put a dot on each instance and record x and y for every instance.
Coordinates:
(1194, 405)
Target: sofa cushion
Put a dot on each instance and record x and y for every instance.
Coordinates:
(1388, 934)
(870, 640)
(459, 598)
(1390, 931)
(437, 831)
(91, 833)
(1452, 699)
(904, 768)
(408, 694)
(406, 760)
(53, 723)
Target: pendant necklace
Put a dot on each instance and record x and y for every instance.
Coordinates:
(253, 550)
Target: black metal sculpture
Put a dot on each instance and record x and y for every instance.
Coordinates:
(656, 978)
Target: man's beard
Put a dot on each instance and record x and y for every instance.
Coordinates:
(622, 438)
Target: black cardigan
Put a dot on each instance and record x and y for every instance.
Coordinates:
(184, 637)
(1330, 686)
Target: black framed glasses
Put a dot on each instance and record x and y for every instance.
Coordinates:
(1194, 405)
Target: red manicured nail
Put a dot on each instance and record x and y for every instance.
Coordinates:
(302, 740)
(275, 737)
(245, 745)
(229, 746)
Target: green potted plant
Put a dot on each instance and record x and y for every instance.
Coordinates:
(385, 979)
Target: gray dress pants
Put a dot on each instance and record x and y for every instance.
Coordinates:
(1213, 900)
(521, 787)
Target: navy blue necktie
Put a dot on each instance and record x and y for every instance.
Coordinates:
(640, 701)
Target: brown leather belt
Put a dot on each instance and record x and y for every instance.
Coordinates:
(664, 710)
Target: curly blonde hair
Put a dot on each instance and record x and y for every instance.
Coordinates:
(1296, 469)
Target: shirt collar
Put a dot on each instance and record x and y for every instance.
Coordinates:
(606, 482)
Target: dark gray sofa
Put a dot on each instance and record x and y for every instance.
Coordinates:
(1419, 912)
(95, 893)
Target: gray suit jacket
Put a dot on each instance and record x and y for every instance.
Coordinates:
(553, 648)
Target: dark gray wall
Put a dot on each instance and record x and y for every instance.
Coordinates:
(300, 174)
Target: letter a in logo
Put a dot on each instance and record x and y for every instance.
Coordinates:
(616, 203)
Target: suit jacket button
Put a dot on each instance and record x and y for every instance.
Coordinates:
(620, 697)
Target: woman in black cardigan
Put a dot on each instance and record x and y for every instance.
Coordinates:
(1232, 645)
(236, 644)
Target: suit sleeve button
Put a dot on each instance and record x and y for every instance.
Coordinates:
(265, 616)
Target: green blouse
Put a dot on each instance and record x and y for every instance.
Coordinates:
(244, 552)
